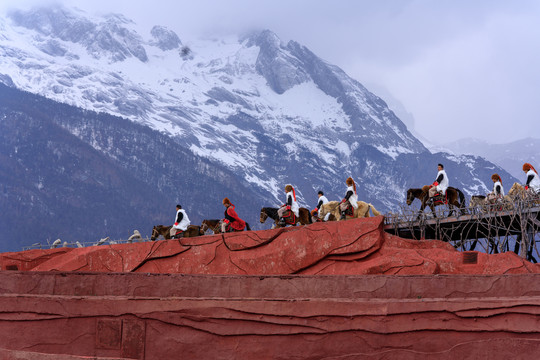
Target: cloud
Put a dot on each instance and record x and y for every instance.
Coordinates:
(468, 67)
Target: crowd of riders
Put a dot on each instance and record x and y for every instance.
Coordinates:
(290, 209)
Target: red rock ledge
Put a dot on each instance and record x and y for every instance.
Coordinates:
(131, 303)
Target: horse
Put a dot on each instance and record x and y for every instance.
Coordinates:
(456, 199)
(362, 211)
(484, 204)
(268, 212)
(517, 191)
(477, 202)
(214, 225)
(165, 231)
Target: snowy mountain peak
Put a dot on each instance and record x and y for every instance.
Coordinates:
(164, 38)
(107, 37)
(273, 113)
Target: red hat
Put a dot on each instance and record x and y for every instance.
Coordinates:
(527, 167)
(226, 201)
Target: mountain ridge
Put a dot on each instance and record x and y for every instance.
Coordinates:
(265, 113)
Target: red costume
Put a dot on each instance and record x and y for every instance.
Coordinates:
(232, 218)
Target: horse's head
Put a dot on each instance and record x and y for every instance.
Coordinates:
(264, 216)
(410, 197)
(155, 233)
(515, 189)
(204, 226)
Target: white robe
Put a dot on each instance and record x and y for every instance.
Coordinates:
(324, 201)
(294, 204)
(498, 183)
(535, 182)
(443, 185)
(184, 223)
(353, 198)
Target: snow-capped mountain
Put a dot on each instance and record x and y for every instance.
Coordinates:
(221, 97)
(269, 112)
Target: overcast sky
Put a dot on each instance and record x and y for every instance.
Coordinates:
(460, 68)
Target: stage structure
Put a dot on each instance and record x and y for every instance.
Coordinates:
(492, 228)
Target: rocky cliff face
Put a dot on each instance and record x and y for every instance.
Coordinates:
(81, 176)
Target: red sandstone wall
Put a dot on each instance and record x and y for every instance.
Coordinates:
(158, 316)
(337, 248)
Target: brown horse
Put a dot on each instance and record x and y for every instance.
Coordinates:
(214, 225)
(268, 212)
(165, 231)
(361, 211)
(456, 200)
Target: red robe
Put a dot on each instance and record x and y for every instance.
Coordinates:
(238, 224)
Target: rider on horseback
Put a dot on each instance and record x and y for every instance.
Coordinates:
(440, 184)
(350, 198)
(290, 204)
(533, 181)
(181, 223)
(232, 221)
(498, 191)
(315, 212)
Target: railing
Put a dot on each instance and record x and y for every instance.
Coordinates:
(492, 228)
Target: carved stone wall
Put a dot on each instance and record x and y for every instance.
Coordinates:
(325, 291)
(352, 247)
(158, 316)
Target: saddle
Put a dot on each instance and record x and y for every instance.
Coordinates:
(179, 234)
(349, 211)
(289, 217)
(440, 199)
(229, 229)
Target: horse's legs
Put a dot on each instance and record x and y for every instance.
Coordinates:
(421, 211)
(432, 207)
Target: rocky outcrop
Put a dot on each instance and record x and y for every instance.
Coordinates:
(164, 38)
(335, 248)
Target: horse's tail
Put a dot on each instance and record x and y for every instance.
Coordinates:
(461, 199)
(373, 210)
(247, 227)
(462, 205)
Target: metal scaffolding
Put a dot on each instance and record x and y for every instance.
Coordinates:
(491, 228)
